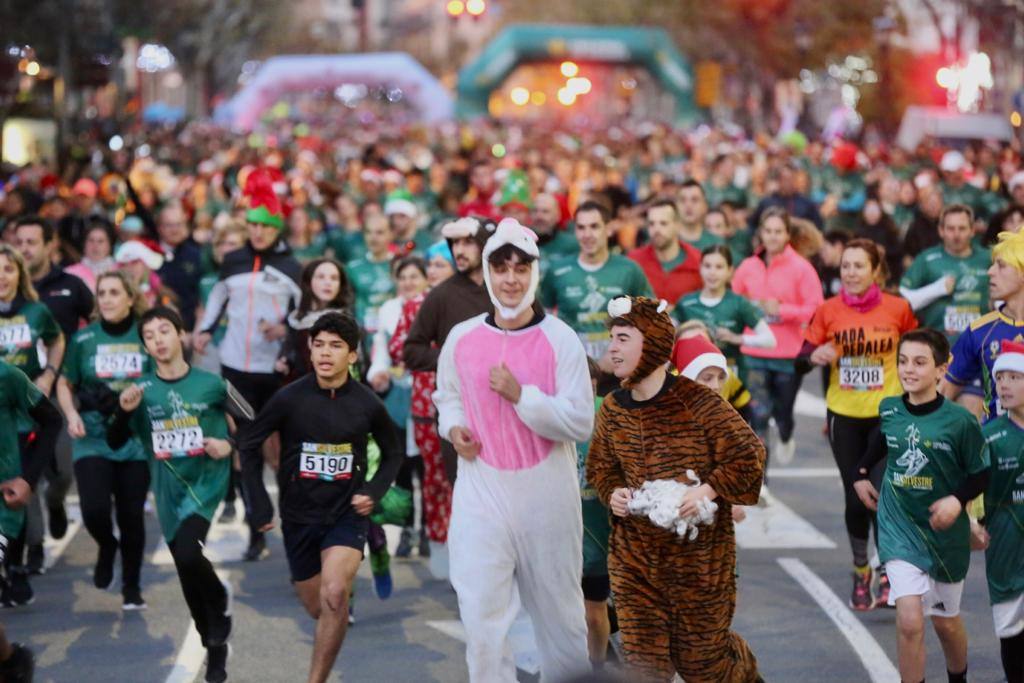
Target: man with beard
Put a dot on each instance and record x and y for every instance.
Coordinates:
(546, 220)
(671, 265)
(458, 298)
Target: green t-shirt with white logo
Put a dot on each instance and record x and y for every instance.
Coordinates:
(95, 359)
(372, 284)
(171, 422)
(1004, 510)
(18, 395)
(581, 295)
(20, 334)
(953, 313)
(734, 312)
(929, 457)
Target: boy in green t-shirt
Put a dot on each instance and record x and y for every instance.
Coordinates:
(937, 462)
(1004, 511)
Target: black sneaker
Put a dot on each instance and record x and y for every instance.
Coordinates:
(217, 663)
(36, 562)
(19, 667)
(18, 592)
(424, 545)
(404, 548)
(882, 597)
(257, 549)
(103, 572)
(229, 514)
(132, 600)
(861, 597)
(58, 520)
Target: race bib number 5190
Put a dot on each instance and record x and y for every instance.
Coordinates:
(326, 461)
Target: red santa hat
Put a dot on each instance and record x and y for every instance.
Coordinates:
(1011, 357)
(693, 355)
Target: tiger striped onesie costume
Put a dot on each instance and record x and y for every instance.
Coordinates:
(675, 598)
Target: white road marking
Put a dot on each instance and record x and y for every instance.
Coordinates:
(54, 548)
(871, 654)
(809, 405)
(521, 638)
(774, 525)
(802, 472)
(192, 654)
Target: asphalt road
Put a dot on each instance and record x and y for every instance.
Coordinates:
(794, 582)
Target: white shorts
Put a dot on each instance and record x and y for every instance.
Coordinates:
(938, 599)
(1008, 617)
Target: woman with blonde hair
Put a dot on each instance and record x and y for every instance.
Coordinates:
(30, 340)
(103, 359)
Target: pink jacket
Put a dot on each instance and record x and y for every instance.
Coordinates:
(793, 282)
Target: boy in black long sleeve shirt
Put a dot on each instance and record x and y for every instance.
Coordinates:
(325, 420)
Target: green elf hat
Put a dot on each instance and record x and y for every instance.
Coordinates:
(515, 191)
(264, 206)
(400, 202)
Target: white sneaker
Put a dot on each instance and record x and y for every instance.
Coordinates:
(785, 452)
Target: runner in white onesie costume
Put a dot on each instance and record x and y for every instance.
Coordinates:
(516, 523)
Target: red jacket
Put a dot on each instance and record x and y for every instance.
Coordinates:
(671, 285)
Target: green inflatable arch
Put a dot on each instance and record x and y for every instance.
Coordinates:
(523, 43)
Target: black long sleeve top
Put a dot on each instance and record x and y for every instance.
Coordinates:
(324, 436)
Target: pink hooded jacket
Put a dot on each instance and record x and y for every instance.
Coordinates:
(793, 282)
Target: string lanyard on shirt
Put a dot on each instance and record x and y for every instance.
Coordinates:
(182, 480)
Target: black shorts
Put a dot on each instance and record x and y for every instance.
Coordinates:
(304, 542)
(596, 588)
(255, 387)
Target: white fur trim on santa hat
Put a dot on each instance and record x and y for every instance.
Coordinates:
(702, 362)
(463, 227)
(511, 231)
(1008, 360)
(133, 250)
(400, 206)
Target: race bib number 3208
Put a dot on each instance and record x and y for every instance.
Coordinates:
(861, 374)
(326, 461)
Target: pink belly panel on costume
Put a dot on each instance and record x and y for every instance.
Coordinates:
(506, 442)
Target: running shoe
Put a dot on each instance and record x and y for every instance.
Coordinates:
(257, 549)
(132, 599)
(103, 572)
(380, 566)
(424, 545)
(229, 514)
(36, 562)
(882, 599)
(404, 548)
(58, 520)
(861, 598)
(217, 663)
(786, 451)
(19, 667)
(17, 592)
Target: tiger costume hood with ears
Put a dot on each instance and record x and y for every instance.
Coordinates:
(651, 318)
